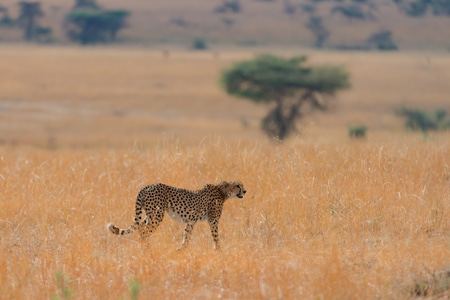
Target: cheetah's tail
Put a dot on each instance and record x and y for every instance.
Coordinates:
(116, 230)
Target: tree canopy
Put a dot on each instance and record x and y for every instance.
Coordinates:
(289, 83)
(88, 24)
(29, 13)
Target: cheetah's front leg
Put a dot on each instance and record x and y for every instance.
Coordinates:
(214, 225)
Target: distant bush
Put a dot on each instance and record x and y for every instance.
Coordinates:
(351, 12)
(289, 8)
(6, 19)
(308, 8)
(199, 44)
(228, 21)
(419, 8)
(382, 40)
(417, 119)
(179, 21)
(357, 131)
(92, 4)
(43, 34)
(233, 6)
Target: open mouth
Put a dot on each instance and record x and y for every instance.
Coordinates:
(240, 196)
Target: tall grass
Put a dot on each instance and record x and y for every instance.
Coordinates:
(320, 221)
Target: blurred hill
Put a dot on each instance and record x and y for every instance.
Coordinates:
(253, 23)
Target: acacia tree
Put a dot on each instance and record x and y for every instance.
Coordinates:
(317, 28)
(289, 83)
(94, 26)
(29, 13)
(88, 23)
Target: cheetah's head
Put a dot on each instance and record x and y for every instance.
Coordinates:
(235, 189)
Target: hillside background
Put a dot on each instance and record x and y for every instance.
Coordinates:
(259, 23)
(149, 82)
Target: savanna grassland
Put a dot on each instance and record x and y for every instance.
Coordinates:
(327, 221)
(325, 217)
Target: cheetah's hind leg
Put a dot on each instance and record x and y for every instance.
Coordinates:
(144, 230)
(150, 223)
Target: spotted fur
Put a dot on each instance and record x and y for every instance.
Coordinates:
(185, 206)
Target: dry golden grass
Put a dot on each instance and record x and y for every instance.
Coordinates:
(333, 220)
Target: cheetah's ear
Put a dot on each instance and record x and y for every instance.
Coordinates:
(224, 185)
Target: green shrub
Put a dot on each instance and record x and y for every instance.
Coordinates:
(135, 288)
(357, 131)
(7, 21)
(228, 21)
(417, 119)
(62, 283)
(233, 6)
(199, 44)
(382, 40)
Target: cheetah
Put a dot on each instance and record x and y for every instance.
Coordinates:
(185, 206)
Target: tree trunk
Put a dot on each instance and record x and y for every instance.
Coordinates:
(29, 28)
(280, 122)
